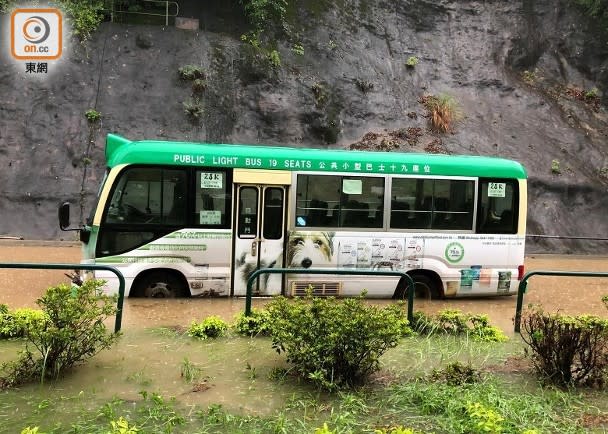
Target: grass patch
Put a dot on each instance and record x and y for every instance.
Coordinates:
(411, 391)
(443, 112)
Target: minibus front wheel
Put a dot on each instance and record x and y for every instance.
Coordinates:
(160, 284)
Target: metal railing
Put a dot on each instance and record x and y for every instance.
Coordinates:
(403, 275)
(523, 286)
(114, 10)
(43, 266)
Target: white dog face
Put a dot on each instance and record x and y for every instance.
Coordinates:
(310, 249)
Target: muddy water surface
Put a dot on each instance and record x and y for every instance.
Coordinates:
(21, 288)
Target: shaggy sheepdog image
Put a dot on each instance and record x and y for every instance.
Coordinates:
(309, 249)
(247, 264)
(304, 250)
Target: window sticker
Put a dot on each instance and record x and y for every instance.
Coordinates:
(497, 189)
(377, 190)
(210, 217)
(212, 180)
(352, 186)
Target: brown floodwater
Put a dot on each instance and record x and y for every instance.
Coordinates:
(571, 295)
(233, 372)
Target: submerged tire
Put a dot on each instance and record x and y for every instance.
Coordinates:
(161, 284)
(425, 288)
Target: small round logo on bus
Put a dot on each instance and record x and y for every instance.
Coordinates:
(454, 252)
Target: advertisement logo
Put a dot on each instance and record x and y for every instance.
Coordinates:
(36, 34)
(454, 252)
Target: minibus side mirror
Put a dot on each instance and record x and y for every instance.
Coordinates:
(64, 216)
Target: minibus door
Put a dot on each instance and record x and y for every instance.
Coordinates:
(259, 237)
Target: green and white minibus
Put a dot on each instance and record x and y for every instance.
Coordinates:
(196, 219)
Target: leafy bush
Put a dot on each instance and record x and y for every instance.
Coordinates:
(71, 332)
(567, 350)
(482, 331)
(263, 13)
(411, 61)
(5, 5)
(14, 324)
(265, 16)
(191, 72)
(555, 168)
(193, 108)
(199, 85)
(595, 8)
(454, 322)
(258, 323)
(92, 115)
(83, 15)
(443, 112)
(298, 49)
(457, 374)
(210, 327)
(121, 426)
(482, 419)
(274, 58)
(334, 343)
(591, 93)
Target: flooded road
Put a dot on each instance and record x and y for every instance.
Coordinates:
(237, 372)
(21, 288)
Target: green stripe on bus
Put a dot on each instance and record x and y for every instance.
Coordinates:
(121, 151)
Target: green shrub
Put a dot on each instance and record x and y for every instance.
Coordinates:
(14, 324)
(71, 332)
(122, 426)
(298, 49)
(482, 331)
(265, 16)
(258, 323)
(84, 16)
(193, 108)
(597, 9)
(199, 85)
(274, 58)
(456, 374)
(324, 430)
(191, 72)
(482, 419)
(334, 343)
(454, 322)
(591, 93)
(264, 13)
(5, 5)
(92, 115)
(443, 110)
(411, 61)
(555, 167)
(567, 350)
(210, 327)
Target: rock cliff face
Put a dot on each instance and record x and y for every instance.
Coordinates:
(517, 69)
